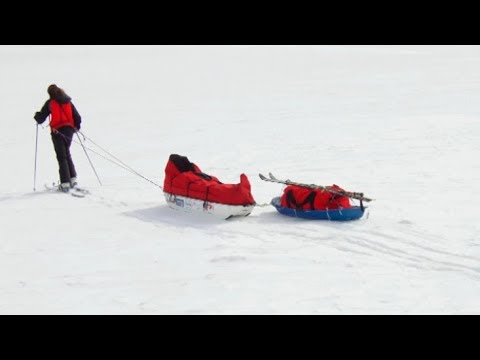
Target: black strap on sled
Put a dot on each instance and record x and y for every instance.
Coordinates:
(203, 176)
(309, 199)
(206, 198)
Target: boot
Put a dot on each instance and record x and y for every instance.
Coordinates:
(73, 182)
(64, 187)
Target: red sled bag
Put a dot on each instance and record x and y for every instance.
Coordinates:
(301, 198)
(184, 178)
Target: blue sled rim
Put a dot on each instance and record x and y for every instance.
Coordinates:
(353, 213)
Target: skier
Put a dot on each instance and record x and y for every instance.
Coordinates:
(64, 122)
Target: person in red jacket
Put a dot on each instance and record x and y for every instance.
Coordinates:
(64, 122)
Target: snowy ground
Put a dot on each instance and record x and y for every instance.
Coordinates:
(399, 123)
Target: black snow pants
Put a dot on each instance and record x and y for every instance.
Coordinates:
(62, 142)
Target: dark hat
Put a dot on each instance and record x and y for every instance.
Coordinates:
(56, 93)
(53, 90)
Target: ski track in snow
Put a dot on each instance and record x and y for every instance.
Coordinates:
(402, 246)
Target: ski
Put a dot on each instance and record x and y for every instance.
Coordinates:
(76, 191)
(80, 190)
(352, 195)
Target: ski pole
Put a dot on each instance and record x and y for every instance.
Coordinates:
(35, 167)
(76, 132)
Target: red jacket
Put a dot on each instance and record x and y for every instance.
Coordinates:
(62, 111)
(61, 115)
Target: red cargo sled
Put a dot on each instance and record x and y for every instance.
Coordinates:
(187, 188)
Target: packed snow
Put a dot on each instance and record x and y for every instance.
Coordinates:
(398, 123)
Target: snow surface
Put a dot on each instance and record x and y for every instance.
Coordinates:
(399, 123)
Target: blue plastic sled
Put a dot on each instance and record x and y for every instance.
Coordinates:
(353, 213)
